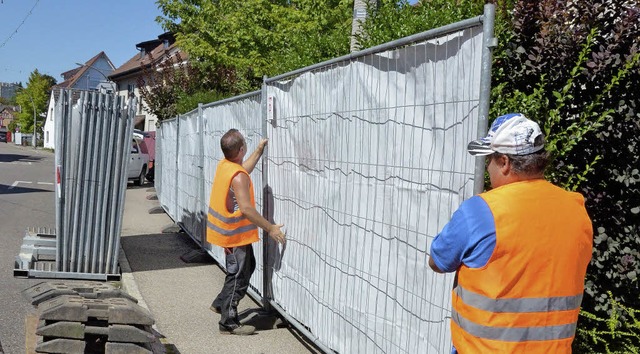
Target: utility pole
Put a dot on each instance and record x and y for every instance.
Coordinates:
(359, 14)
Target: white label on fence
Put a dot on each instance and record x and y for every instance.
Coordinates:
(270, 108)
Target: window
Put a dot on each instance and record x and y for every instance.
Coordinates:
(134, 147)
(131, 89)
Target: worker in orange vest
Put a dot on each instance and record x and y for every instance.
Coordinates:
(232, 223)
(520, 251)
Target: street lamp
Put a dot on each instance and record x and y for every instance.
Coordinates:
(100, 72)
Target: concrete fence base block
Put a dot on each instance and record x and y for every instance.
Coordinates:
(156, 210)
(152, 197)
(152, 189)
(171, 229)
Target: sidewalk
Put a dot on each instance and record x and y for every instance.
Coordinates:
(178, 294)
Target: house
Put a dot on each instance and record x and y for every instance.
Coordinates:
(92, 75)
(127, 76)
(7, 115)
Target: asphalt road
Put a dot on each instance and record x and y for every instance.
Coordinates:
(26, 201)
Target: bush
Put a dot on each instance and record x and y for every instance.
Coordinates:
(573, 67)
(619, 333)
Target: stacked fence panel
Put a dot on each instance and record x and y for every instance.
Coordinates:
(93, 143)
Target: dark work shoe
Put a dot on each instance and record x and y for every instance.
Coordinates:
(242, 330)
(215, 309)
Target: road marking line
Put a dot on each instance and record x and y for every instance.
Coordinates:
(16, 183)
(47, 183)
(17, 163)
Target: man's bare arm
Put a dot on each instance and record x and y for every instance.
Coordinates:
(240, 184)
(250, 163)
(433, 266)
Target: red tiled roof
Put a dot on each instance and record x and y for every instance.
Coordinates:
(74, 74)
(153, 49)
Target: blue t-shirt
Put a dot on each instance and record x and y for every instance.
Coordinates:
(469, 238)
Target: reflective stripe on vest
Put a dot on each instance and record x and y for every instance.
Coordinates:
(226, 220)
(541, 304)
(514, 334)
(233, 232)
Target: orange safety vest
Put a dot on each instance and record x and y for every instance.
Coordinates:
(526, 299)
(228, 228)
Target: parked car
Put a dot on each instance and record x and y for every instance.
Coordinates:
(150, 143)
(139, 160)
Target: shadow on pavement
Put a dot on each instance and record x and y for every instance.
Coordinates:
(132, 185)
(159, 251)
(18, 158)
(6, 189)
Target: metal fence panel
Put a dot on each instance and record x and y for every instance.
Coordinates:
(189, 201)
(367, 163)
(158, 171)
(244, 114)
(166, 164)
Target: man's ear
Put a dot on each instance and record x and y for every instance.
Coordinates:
(504, 164)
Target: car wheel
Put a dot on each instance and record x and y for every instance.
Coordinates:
(140, 179)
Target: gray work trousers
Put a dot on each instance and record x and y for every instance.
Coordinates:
(240, 264)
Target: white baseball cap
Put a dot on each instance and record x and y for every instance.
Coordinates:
(512, 134)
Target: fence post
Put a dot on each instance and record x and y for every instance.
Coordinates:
(177, 176)
(203, 198)
(266, 278)
(485, 88)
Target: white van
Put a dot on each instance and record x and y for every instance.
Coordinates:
(138, 161)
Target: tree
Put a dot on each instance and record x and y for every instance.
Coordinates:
(389, 20)
(258, 37)
(169, 85)
(35, 94)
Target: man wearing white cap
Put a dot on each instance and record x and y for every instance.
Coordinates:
(520, 251)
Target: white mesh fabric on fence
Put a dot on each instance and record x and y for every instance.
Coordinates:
(244, 114)
(166, 162)
(189, 178)
(367, 162)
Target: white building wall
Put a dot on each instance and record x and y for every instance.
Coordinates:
(48, 130)
(150, 119)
